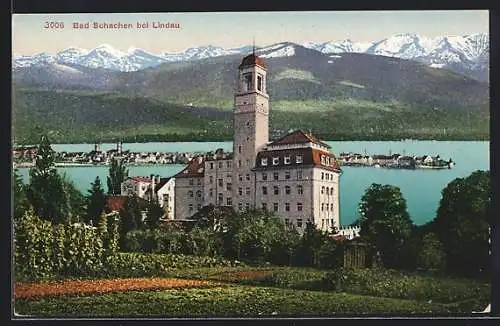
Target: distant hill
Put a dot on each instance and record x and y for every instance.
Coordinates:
(340, 96)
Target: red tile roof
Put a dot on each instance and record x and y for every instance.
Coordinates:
(298, 137)
(251, 60)
(115, 203)
(195, 168)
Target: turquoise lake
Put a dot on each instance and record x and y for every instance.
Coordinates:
(421, 188)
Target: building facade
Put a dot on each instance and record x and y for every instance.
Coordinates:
(296, 177)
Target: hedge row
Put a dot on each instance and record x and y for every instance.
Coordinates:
(394, 284)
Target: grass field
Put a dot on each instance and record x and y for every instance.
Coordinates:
(244, 291)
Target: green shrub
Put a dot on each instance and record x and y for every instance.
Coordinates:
(390, 283)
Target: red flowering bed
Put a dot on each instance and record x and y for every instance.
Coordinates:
(74, 287)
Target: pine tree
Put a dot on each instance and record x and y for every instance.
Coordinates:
(46, 191)
(20, 201)
(96, 202)
(117, 174)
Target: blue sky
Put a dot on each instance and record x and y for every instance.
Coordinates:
(233, 29)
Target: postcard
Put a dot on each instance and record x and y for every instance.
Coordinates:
(251, 164)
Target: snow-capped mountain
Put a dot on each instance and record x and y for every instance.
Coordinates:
(469, 53)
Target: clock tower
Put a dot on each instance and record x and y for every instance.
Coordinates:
(251, 127)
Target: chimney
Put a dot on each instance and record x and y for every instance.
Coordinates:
(152, 186)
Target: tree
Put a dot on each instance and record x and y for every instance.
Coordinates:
(20, 201)
(117, 174)
(46, 191)
(130, 217)
(385, 222)
(310, 245)
(96, 201)
(431, 255)
(463, 223)
(154, 214)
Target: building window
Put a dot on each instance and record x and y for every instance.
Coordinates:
(240, 177)
(322, 176)
(228, 164)
(259, 82)
(327, 160)
(264, 190)
(221, 183)
(229, 186)
(287, 175)
(248, 177)
(322, 190)
(239, 149)
(299, 159)
(264, 176)
(275, 176)
(299, 175)
(275, 207)
(211, 165)
(300, 190)
(287, 160)
(190, 208)
(323, 159)
(190, 193)
(247, 207)
(210, 179)
(198, 193)
(220, 199)
(287, 207)
(247, 190)
(331, 207)
(199, 206)
(240, 207)
(299, 223)
(276, 160)
(191, 182)
(239, 163)
(322, 206)
(220, 165)
(240, 191)
(248, 80)
(287, 190)
(299, 206)
(276, 190)
(331, 191)
(263, 161)
(211, 192)
(333, 222)
(328, 176)
(229, 201)
(264, 206)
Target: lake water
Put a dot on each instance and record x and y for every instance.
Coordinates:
(421, 188)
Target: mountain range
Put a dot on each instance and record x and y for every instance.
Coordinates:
(467, 54)
(344, 95)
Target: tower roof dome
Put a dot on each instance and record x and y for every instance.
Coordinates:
(251, 60)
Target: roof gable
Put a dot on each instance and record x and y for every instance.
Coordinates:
(298, 137)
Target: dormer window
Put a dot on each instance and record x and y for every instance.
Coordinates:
(323, 159)
(299, 159)
(263, 162)
(276, 160)
(287, 159)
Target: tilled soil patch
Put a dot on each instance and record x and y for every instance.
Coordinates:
(76, 287)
